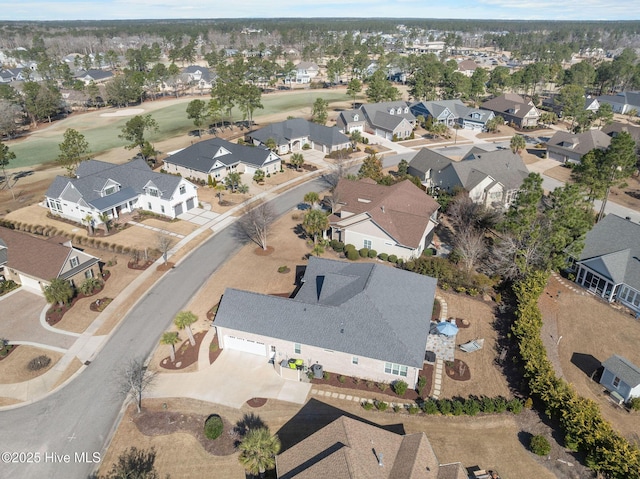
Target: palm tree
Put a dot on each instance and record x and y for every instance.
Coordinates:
(233, 180)
(104, 217)
(59, 291)
(315, 222)
(271, 144)
(297, 160)
(184, 320)
(258, 451)
(171, 338)
(312, 198)
(517, 143)
(220, 187)
(89, 220)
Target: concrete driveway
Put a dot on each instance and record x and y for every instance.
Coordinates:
(20, 321)
(233, 379)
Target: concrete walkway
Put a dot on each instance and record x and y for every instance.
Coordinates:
(437, 379)
(87, 345)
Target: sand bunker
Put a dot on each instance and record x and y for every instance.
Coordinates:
(127, 112)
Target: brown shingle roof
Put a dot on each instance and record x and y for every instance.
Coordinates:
(348, 448)
(509, 103)
(33, 256)
(403, 210)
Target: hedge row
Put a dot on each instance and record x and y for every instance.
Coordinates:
(470, 406)
(585, 429)
(79, 239)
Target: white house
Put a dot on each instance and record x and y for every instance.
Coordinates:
(621, 378)
(306, 72)
(102, 188)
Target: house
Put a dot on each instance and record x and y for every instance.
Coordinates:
(102, 188)
(453, 112)
(467, 67)
(623, 102)
(398, 219)
(514, 109)
(357, 319)
(306, 72)
(199, 77)
(568, 147)
(391, 119)
(351, 448)
(591, 104)
(294, 134)
(616, 127)
(34, 262)
(95, 76)
(492, 178)
(349, 121)
(608, 264)
(218, 157)
(621, 378)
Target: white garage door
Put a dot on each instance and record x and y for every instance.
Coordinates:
(30, 283)
(245, 345)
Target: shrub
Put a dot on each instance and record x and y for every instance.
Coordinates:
(89, 285)
(392, 258)
(349, 246)
(634, 404)
(400, 387)
(430, 407)
(383, 386)
(471, 406)
(306, 146)
(413, 409)
(540, 446)
(338, 247)
(500, 404)
(488, 405)
(341, 379)
(528, 404)
(368, 383)
(283, 269)
(326, 376)
(213, 427)
(38, 363)
(399, 261)
(364, 252)
(352, 254)
(373, 253)
(368, 406)
(396, 408)
(444, 406)
(383, 256)
(422, 382)
(381, 405)
(457, 408)
(515, 406)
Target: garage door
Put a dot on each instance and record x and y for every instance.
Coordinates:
(30, 283)
(245, 345)
(178, 209)
(190, 204)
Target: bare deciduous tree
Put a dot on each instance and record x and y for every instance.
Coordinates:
(256, 223)
(470, 245)
(164, 245)
(135, 379)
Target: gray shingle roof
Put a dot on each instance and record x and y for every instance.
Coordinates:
(624, 369)
(285, 131)
(375, 311)
(609, 240)
(94, 174)
(581, 143)
(203, 155)
(427, 159)
(502, 165)
(509, 104)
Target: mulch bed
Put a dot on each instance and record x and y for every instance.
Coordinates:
(165, 266)
(186, 354)
(212, 312)
(256, 402)
(139, 265)
(161, 423)
(215, 352)
(462, 323)
(459, 371)
(56, 312)
(8, 350)
(99, 304)
(263, 252)
(372, 386)
(435, 315)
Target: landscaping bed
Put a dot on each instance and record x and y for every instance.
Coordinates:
(7, 350)
(256, 402)
(214, 350)
(99, 304)
(186, 355)
(457, 370)
(139, 265)
(378, 387)
(56, 312)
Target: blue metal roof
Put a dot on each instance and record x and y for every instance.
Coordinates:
(109, 201)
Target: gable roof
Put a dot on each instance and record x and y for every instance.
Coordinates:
(348, 448)
(37, 257)
(455, 108)
(467, 65)
(203, 155)
(631, 98)
(581, 143)
(609, 243)
(93, 175)
(402, 210)
(509, 104)
(628, 372)
(372, 312)
(95, 74)
(504, 166)
(427, 159)
(285, 131)
(385, 115)
(616, 127)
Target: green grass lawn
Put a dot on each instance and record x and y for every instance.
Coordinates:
(102, 132)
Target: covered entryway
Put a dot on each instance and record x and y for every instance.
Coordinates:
(31, 283)
(245, 345)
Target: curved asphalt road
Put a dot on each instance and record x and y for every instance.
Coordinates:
(77, 419)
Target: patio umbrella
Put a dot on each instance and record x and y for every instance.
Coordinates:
(447, 328)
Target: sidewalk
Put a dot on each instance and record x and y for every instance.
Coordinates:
(87, 345)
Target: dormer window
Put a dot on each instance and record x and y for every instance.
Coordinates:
(399, 110)
(406, 109)
(74, 261)
(110, 190)
(391, 111)
(153, 192)
(355, 117)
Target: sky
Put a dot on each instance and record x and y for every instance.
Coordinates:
(167, 9)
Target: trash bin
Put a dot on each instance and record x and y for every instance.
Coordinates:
(318, 373)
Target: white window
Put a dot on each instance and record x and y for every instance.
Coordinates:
(297, 348)
(395, 369)
(153, 192)
(74, 261)
(616, 382)
(367, 244)
(355, 117)
(354, 360)
(88, 274)
(109, 191)
(183, 189)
